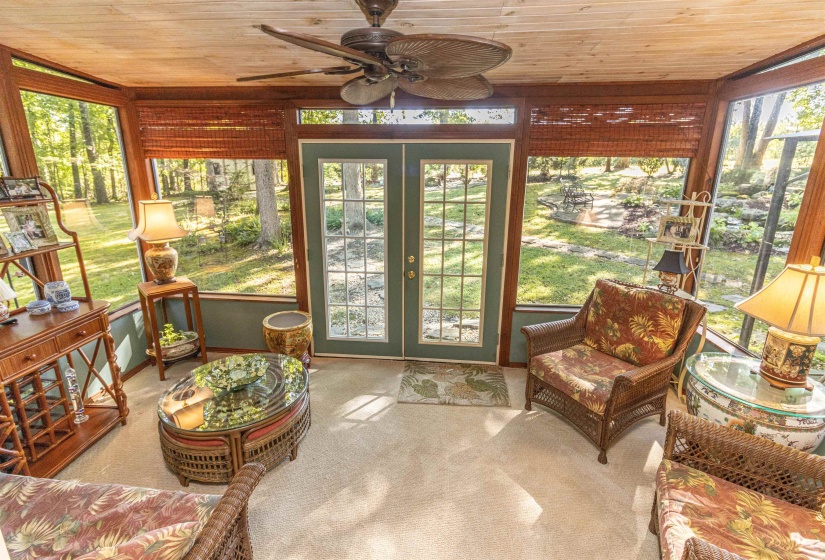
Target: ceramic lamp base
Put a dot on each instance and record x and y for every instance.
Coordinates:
(670, 282)
(786, 358)
(162, 262)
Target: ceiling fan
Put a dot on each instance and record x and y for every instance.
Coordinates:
(438, 66)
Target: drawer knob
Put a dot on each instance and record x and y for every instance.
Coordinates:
(81, 333)
(31, 357)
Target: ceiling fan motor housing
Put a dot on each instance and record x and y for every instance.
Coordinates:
(371, 40)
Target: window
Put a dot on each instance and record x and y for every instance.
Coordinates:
(770, 144)
(237, 212)
(499, 115)
(587, 218)
(19, 62)
(795, 60)
(78, 150)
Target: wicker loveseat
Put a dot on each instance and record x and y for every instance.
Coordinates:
(609, 365)
(49, 519)
(722, 494)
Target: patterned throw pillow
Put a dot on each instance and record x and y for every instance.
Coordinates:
(637, 325)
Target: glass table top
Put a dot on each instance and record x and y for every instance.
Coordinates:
(207, 401)
(732, 377)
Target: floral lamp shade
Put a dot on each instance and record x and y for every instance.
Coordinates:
(793, 304)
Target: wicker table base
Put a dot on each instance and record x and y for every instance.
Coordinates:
(217, 456)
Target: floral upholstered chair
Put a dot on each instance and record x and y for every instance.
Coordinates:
(722, 494)
(609, 365)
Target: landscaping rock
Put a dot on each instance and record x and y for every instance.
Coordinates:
(754, 215)
(735, 298)
(713, 308)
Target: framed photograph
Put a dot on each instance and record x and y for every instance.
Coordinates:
(678, 229)
(33, 221)
(4, 251)
(19, 242)
(22, 189)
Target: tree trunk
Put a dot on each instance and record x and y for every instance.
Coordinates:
(770, 126)
(213, 171)
(267, 203)
(607, 164)
(353, 189)
(101, 196)
(752, 130)
(621, 163)
(187, 180)
(78, 191)
(667, 166)
(164, 182)
(743, 133)
(111, 136)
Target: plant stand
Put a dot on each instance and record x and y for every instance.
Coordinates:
(150, 293)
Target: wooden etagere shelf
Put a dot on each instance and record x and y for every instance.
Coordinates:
(36, 420)
(15, 259)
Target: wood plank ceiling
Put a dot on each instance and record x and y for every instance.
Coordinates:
(212, 42)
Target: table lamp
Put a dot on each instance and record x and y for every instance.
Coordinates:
(793, 304)
(157, 226)
(671, 266)
(6, 295)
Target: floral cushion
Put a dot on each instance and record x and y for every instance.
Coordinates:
(637, 325)
(62, 520)
(741, 521)
(580, 372)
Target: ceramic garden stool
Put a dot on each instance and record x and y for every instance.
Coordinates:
(728, 390)
(289, 333)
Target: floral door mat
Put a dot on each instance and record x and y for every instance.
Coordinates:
(461, 384)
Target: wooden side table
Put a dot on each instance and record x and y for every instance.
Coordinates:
(150, 292)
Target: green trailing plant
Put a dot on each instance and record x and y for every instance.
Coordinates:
(170, 336)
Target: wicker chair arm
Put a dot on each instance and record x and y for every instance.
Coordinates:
(553, 336)
(230, 511)
(697, 549)
(747, 460)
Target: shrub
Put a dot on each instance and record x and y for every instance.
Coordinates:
(334, 217)
(645, 227)
(244, 231)
(671, 191)
(718, 227)
(375, 217)
(650, 165)
(635, 201)
(752, 232)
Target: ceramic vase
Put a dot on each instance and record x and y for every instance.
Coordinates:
(4, 311)
(57, 292)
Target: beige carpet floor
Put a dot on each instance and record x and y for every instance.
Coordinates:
(375, 479)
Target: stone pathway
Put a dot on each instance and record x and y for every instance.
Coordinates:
(607, 212)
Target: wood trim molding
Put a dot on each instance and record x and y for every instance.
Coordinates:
(809, 239)
(788, 77)
(13, 125)
(296, 206)
(135, 370)
(16, 53)
(40, 82)
(518, 187)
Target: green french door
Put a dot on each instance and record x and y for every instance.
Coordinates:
(405, 246)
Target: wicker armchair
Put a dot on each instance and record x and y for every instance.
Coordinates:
(226, 534)
(789, 477)
(635, 394)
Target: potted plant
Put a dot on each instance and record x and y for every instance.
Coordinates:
(176, 344)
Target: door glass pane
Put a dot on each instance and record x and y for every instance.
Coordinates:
(453, 251)
(354, 233)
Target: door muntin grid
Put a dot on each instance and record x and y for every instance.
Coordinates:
(353, 224)
(454, 220)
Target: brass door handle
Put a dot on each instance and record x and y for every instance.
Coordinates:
(411, 259)
(411, 274)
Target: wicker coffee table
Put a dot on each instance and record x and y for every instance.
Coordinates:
(208, 432)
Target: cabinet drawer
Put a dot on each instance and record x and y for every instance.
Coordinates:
(28, 359)
(80, 333)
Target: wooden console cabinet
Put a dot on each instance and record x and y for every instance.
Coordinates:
(35, 416)
(37, 429)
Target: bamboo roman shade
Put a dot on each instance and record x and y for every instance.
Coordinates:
(651, 130)
(252, 131)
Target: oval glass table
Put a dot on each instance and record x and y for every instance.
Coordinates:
(725, 389)
(232, 411)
